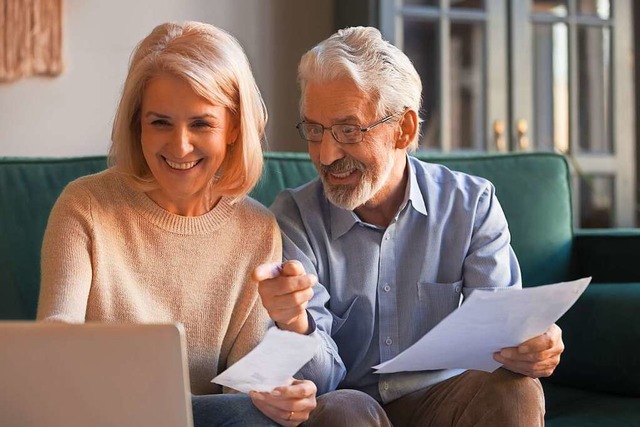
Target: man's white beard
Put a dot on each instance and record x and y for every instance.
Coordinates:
(350, 197)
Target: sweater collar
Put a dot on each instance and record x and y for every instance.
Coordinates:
(178, 224)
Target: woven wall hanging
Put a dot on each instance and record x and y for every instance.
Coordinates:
(30, 38)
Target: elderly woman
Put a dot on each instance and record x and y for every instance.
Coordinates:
(167, 234)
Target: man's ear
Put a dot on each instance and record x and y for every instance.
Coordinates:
(408, 124)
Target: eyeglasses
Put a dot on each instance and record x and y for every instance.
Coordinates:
(343, 133)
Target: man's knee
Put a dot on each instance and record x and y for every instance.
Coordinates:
(347, 408)
(512, 385)
(515, 397)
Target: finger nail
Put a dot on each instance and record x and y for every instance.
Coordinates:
(275, 393)
(267, 271)
(293, 268)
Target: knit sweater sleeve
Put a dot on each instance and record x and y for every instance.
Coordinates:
(255, 325)
(66, 269)
(250, 335)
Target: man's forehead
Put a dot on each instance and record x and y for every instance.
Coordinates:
(338, 100)
(343, 87)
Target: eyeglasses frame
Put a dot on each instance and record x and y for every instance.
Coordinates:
(362, 130)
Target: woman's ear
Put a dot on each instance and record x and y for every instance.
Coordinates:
(234, 132)
(408, 124)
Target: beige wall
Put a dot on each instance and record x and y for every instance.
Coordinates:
(71, 115)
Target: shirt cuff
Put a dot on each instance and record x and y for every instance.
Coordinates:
(312, 323)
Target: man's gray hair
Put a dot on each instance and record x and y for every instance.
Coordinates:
(376, 67)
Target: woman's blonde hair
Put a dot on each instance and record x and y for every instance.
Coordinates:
(213, 63)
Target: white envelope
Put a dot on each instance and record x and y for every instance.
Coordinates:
(271, 363)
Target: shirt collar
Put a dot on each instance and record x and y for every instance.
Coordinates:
(342, 220)
(415, 195)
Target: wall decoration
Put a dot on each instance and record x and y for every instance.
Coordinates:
(30, 38)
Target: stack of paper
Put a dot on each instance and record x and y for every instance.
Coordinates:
(486, 322)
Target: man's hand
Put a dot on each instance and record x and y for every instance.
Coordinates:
(285, 292)
(535, 358)
(287, 405)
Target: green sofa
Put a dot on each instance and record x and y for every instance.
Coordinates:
(598, 380)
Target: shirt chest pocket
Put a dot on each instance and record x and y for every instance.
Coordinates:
(339, 321)
(436, 301)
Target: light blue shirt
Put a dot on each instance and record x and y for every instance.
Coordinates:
(389, 286)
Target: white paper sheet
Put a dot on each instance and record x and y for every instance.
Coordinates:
(271, 363)
(485, 323)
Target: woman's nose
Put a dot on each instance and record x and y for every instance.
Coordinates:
(181, 142)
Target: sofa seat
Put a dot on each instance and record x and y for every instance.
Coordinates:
(567, 406)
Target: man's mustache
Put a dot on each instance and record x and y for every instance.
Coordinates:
(343, 165)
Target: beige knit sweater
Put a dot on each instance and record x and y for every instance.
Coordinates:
(111, 254)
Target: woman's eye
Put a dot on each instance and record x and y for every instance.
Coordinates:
(201, 124)
(160, 122)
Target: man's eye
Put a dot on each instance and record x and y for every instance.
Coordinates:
(314, 130)
(349, 129)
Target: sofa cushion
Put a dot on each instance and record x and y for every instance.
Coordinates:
(28, 190)
(568, 406)
(608, 255)
(601, 335)
(282, 170)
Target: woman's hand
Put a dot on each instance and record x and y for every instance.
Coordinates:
(288, 405)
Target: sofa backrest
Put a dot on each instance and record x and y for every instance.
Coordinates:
(533, 190)
(28, 190)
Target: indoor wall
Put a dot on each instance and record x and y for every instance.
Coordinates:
(71, 115)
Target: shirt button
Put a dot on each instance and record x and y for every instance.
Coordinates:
(385, 386)
(386, 288)
(458, 288)
(386, 237)
(388, 341)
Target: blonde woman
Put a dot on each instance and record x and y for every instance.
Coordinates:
(167, 234)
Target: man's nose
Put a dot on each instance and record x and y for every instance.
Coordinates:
(330, 149)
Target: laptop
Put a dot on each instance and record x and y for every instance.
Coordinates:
(94, 374)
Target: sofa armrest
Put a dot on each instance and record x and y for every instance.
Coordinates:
(601, 333)
(602, 330)
(607, 255)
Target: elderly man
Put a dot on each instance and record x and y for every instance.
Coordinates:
(393, 242)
